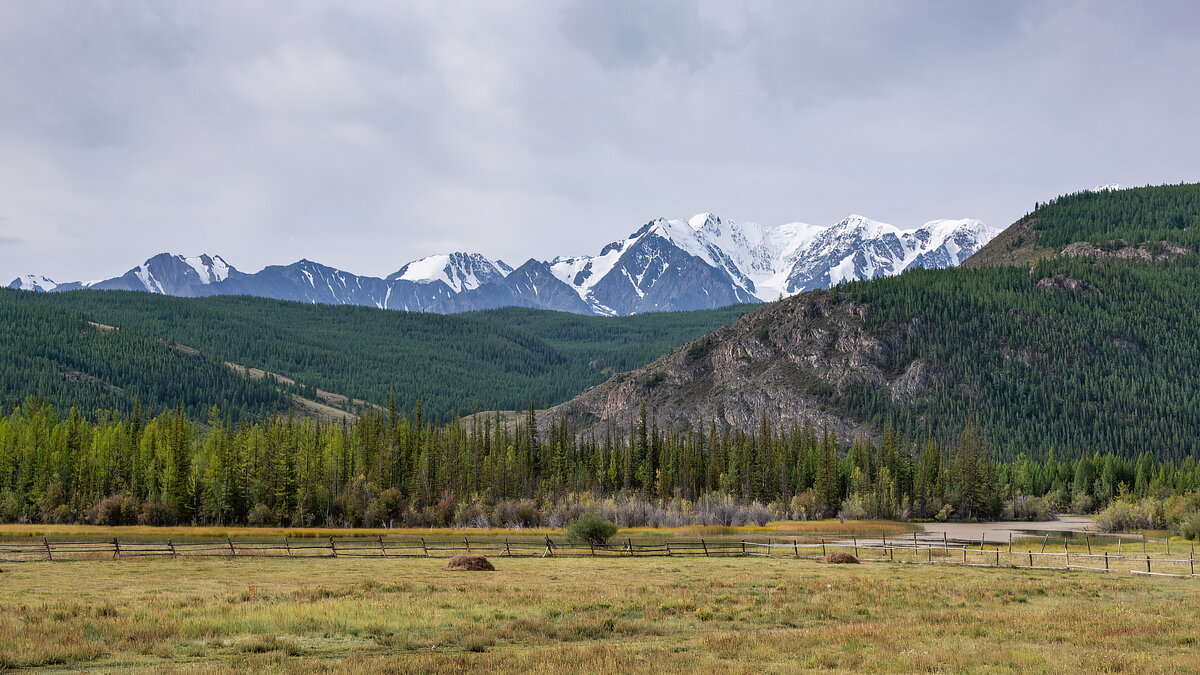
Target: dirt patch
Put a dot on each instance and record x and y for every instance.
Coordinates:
(838, 558)
(469, 563)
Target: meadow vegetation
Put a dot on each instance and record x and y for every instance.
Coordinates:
(556, 615)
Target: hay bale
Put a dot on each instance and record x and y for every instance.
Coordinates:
(469, 563)
(839, 558)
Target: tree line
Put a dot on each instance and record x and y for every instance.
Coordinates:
(392, 469)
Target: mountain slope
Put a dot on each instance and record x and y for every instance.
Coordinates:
(1080, 354)
(59, 354)
(500, 359)
(666, 265)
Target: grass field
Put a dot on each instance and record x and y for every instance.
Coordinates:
(16, 531)
(587, 615)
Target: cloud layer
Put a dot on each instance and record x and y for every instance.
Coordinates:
(367, 134)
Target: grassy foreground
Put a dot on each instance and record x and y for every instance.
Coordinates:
(585, 615)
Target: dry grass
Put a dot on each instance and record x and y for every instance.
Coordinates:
(590, 615)
(778, 528)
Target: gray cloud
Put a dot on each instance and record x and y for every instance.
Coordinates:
(367, 134)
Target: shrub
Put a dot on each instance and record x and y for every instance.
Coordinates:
(156, 513)
(852, 509)
(1123, 516)
(1189, 526)
(260, 515)
(119, 509)
(591, 528)
(1024, 507)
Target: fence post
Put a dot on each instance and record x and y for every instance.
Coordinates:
(1168, 541)
(382, 549)
(1067, 552)
(1031, 560)
(1106, 561)
(668, 545)
(929, 554)
(997, 557)
(705, 546)
(232, 551)
(507, 550)
(891, 554)
(592, 546)
(795, 548)
(46, 543)
(1089, 543)
(426, 548)
(171, 545)
(1147, 562)
(855, 546)
(549, 547)
(332, 547)
(288, 545)
(629, 545)
(946, 544)
(1010, 542)
(823, 553)
(468, 543)
(1192, 561)
(116, 549)
(1119, 546)
(743, 548)
(964, 550)
(1045, 541)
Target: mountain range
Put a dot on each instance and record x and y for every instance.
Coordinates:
(666, 265)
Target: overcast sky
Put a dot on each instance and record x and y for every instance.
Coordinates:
(364, 135)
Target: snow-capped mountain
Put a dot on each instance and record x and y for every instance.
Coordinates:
(33, 282)
(707, 261)
(666, 265)
(170, 275)
(459, 271)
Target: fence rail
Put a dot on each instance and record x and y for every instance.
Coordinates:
(915, 552)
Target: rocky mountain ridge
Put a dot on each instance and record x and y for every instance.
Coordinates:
(666, 265)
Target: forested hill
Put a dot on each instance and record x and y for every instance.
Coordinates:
(498, 359)
(1118, 222)
(1095, 350)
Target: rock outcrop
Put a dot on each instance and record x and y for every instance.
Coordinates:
(790, 361)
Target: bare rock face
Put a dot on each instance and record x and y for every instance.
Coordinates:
(1163, 250)
(784, 361)
(1064, 283)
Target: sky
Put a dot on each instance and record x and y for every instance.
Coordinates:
(366, 134)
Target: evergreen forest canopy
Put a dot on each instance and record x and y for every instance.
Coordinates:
(1064, 385)
(387, 469)
(1110, 365)
(492, 360)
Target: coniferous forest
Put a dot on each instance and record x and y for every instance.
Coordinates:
(390, 469)
(1064, 385)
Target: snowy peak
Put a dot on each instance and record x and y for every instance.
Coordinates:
(700, 262)
(33, 282)
(460, 271)
(756, 262)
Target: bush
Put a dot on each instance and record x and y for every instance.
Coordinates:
(119, 509)
(1189, 526)
(260, 515)
(591, 528)
(1122, 516)
(156, 513)
(852, 509)
(1023, 507)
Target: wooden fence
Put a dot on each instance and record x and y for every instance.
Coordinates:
(975, 554)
